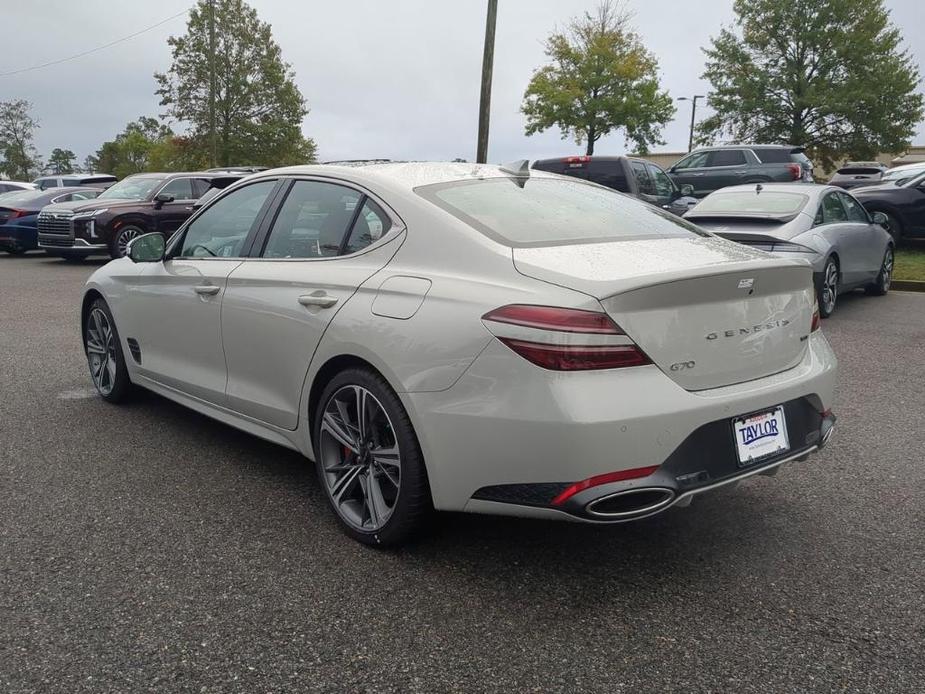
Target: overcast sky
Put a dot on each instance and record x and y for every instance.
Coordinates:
(396, 79)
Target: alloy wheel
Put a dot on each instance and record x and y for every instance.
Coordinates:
(101, 351)
(360, 458)
(830, 287)
(123, 240)
(886, 271)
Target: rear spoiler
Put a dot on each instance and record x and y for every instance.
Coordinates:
(692, 216)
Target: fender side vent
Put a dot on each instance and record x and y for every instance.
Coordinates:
(134, 349)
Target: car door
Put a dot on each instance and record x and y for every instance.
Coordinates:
(175, 306)
(692, 170)
(873, 246)
(171, 215)
(326, 239)
(847, 238)
(726, 167)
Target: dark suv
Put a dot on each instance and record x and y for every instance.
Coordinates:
(136, 205)
(636, 177)
(712, 168)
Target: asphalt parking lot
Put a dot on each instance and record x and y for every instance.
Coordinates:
(148, 548)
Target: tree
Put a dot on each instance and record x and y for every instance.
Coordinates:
(91, 164)
(131, 150)
(830, 75)
(600, 79)
(61, 161)
(258, 108)
(18, 157)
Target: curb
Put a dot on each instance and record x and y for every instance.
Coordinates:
(908, 285)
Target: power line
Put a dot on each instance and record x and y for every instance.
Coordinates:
(93, 50)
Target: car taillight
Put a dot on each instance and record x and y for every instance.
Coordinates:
(796, 171)
(16, 213)
(816, 319)
(564, 339)
(606, 478)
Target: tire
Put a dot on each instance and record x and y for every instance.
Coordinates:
(119, 244)
(360, 486)
(881, 285)
(827, 292)
(103, 349)
(894, 227)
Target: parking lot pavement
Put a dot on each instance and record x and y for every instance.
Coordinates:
(147, 548)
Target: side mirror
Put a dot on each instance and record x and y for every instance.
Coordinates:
(687, 190)
(161, 198)
(147, 248)
(881, 219)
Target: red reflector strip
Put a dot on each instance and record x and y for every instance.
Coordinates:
(578, 358)
(598, 480)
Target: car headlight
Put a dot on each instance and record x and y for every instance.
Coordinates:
(90, 215)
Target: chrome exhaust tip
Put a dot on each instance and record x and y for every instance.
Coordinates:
(630, 503)
(827, 429)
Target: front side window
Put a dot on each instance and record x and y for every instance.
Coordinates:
(832, 209)
(313, 221)
(643, 182)
(856, 213)
(694, 161)
(179, 188)
(221, 230)
(663, 185)
(550, 212)
(727, 157)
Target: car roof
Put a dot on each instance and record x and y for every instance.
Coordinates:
(908, 167)
(407, 175)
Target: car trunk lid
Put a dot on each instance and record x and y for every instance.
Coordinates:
(708, 312)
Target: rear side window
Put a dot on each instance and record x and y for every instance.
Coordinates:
(643, 182)
(777, 155)
(832, 209)
(313, 221)
(726, 157)
(608, 173)
(370, 226)
(546, 212)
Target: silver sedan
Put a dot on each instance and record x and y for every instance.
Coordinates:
(471, 338)
(847, 247)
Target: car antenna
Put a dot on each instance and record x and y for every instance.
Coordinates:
(758, 188)
(519, 169)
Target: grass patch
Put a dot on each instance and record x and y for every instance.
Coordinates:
(910, 264)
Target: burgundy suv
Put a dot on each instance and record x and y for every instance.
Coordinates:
(136, 205)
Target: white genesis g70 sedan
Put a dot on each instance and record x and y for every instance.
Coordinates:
(471, 338)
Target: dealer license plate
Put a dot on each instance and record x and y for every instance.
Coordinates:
(760, 435)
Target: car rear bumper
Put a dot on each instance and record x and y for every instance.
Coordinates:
(13, 236)
(508, 428)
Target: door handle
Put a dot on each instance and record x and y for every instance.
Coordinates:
(207, 289)
(741, 173)
(697, 174)
(319, 298)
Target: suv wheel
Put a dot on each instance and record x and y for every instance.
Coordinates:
(368, 460)
(119, 246)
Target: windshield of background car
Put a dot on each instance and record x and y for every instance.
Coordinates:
(915, 180)
(131, 189)
(749, 202)
(901, 175)
(548, 212)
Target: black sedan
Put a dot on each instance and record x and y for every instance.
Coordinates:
(903, 205)
(19, 212)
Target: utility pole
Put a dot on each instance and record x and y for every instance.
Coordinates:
(693, 100)
(212, 81)
(488, 60)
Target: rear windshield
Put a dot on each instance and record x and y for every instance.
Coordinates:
(750, 202)
(901, 174)
(547, 212)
